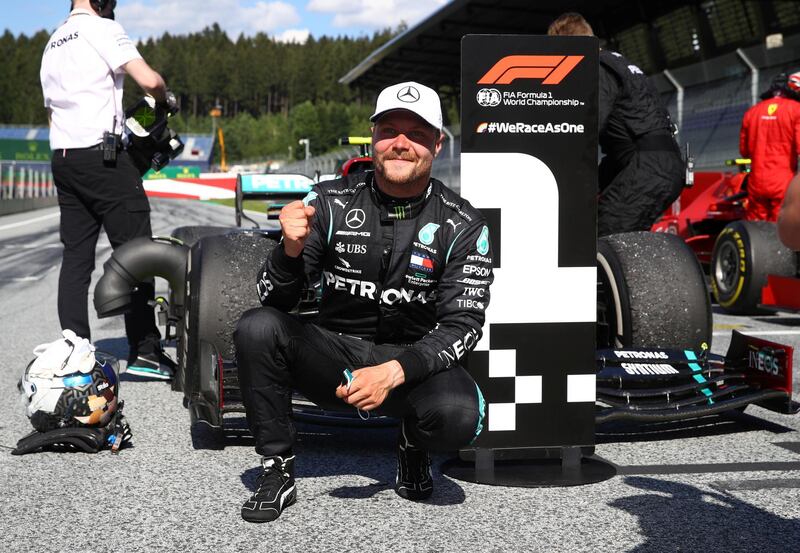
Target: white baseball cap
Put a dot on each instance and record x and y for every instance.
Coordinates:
(410, 96)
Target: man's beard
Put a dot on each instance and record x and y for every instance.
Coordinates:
(395, 180)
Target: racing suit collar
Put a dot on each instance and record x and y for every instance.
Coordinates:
(393, 209)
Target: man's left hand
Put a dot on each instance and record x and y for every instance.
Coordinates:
(371, 385)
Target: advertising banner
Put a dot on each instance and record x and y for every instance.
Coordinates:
(174, 172)
(529, 163)
(24, 150)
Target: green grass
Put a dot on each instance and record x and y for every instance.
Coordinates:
(250, 205)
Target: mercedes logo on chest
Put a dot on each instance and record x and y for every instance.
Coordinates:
(355, 218)
(408, 94)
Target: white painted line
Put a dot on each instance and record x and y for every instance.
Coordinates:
(25, 279)
(30, 246)
(29, 221)
(760, 332)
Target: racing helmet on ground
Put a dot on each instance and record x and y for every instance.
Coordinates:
(66, 386)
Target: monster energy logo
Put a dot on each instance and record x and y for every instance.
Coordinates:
(399, 212)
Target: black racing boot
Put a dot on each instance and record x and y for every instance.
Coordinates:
(414, 478)
(275, 490)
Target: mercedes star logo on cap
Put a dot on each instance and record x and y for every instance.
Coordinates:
(409, 95)
(355, 218)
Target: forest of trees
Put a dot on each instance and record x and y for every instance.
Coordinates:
(271, 93)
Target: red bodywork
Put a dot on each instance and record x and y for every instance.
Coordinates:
(703, 210)
(355, 165)
(781, 293)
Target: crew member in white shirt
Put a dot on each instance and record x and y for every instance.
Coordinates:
(82, 74)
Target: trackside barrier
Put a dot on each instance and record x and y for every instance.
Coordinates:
(528, 162)
(25, 181)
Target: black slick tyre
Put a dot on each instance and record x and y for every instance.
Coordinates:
(221, 285)
(188, 235)
(191, 234)
(745, 252)
(651, 293)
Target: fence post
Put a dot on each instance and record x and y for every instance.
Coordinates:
(679, 88)
(753, 76)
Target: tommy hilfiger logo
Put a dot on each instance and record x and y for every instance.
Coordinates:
(421, 262)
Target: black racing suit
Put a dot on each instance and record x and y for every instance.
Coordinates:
(403, 280)
(642, 172)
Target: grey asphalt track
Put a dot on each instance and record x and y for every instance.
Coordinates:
(724, 483)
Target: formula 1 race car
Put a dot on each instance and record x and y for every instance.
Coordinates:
(737, 255)
(653, 321)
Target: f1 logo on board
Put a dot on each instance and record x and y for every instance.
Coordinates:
(550, 69)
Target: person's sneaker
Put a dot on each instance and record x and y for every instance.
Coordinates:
(275, 490)
(414, 478)
(152, 365)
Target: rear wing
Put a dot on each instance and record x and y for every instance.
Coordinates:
(277, 189)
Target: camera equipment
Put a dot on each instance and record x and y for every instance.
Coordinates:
(151, 143)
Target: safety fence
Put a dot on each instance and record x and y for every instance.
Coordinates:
(25, 180)
(707, 100)
(325, 164)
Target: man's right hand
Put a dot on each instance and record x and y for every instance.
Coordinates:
(295, 221)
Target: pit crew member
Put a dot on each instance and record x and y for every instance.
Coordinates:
(405, 266)
(770, 137)
(642, 171)
(82, 73)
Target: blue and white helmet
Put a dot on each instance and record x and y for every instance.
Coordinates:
(65, 385)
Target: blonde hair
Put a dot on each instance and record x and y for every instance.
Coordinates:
(570, 24)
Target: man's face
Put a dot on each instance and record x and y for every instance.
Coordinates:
(403, 147)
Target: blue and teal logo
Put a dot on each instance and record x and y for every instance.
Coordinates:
(310, 197)
(426, 233)
(483, 241)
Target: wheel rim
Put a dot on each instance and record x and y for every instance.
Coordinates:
(609, 327)
(726, 268)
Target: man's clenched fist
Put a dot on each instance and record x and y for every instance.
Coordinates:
(295, 221)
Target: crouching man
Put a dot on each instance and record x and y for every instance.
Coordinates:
(406, 266)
